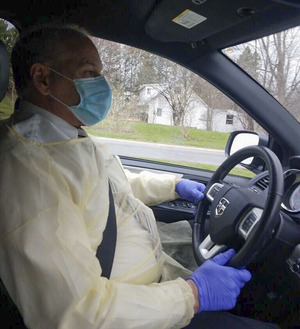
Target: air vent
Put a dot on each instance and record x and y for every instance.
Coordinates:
(263, 183)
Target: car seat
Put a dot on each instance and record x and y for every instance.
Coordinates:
(9, 313)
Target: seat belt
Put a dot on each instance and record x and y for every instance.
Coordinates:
(106, 250)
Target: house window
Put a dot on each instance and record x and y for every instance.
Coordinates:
(159, 112)
(229, 119)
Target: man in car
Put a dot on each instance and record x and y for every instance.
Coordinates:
(56, 204)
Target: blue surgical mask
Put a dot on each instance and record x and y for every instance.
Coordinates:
(95, 99)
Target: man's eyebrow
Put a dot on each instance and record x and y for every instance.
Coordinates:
(86, 61)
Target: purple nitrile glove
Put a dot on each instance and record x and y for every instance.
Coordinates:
(219, 285)
(190, 190)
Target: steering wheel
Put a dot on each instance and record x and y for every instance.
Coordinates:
(240, 217)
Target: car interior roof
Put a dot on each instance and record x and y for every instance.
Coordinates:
(149, 24)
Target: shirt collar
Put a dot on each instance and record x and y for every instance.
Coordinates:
(69, 131)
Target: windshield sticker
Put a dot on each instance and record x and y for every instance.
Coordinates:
(189, 19)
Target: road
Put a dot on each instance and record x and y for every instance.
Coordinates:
(163, 151)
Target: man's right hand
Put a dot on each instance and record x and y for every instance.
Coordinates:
(218, 285)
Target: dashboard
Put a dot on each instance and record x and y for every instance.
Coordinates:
(291, 198)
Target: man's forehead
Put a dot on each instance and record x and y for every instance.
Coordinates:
(83, 55)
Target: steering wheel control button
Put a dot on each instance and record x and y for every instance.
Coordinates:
(215, 188)
(250, 221)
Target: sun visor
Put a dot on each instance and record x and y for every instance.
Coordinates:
(195, 20)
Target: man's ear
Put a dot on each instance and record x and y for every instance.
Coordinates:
(40, 78)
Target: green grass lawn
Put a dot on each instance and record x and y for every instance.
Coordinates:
(159, 134)
(235, 171)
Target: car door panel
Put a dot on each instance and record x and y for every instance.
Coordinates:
(180, 209)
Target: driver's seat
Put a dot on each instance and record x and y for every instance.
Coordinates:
(9, 313)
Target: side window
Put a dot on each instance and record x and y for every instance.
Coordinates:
(8, 35)
(168, 104)
(156, 101)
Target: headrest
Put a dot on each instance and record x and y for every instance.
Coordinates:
(4, 70)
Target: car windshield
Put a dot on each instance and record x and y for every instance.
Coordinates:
(274, 62)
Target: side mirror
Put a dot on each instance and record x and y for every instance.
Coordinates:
(243, 138)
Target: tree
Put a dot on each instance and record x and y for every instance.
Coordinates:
(122, 67)
(282, 60)
(176, 88)
(275, 62)
(249, 59)
(128, 68)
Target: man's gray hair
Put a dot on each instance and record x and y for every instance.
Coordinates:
(43, 44)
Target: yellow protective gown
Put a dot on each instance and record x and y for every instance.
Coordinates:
(54, 208)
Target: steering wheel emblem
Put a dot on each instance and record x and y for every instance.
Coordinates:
(221, 207)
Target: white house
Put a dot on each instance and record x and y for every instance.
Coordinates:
(226, 121)
(159, 111)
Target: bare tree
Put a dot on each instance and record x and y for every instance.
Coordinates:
(275, 61)
(212, 98)
(177, 90)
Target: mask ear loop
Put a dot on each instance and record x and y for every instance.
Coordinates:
(59, 101)
(62, 75)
